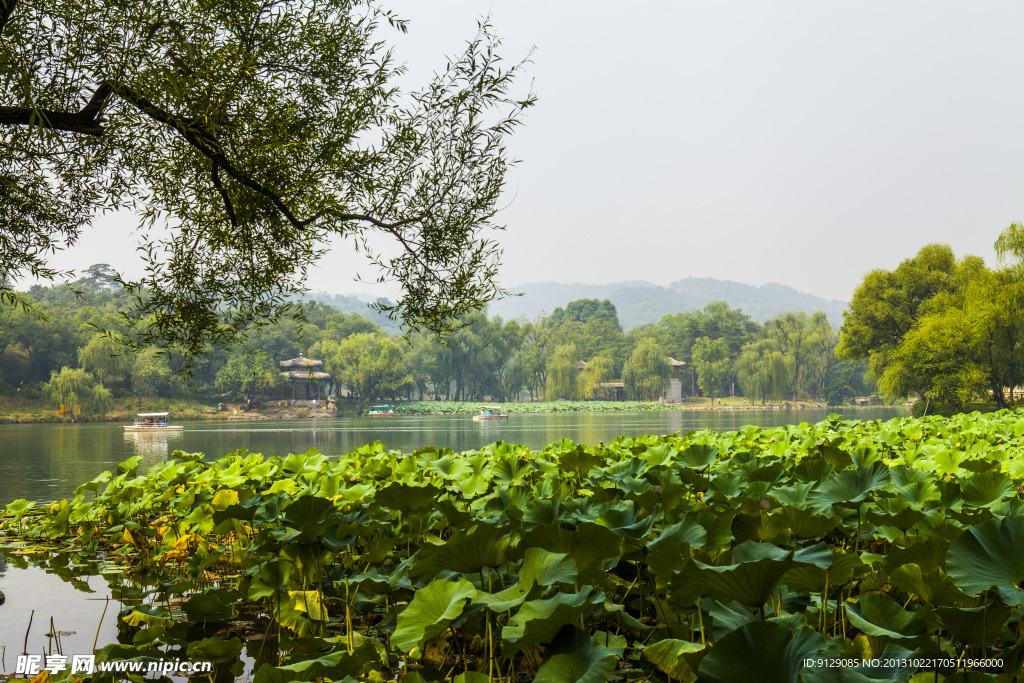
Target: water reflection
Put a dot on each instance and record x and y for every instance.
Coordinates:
(154, 447)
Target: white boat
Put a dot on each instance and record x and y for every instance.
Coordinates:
(382, 410)
(490, 413)
(152, 422)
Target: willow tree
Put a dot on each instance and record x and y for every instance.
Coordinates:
(764, 372)
(247, 134)
(711, 361)
(647, 372)
(563, 374)
(76, 391)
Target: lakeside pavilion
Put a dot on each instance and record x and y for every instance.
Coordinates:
(303, 374)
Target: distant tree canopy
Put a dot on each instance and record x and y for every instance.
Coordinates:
(948, 331)
(487, 358)
(247, 134)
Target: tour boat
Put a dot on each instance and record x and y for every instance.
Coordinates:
(152, 422)
(382, 410)
(490, 413)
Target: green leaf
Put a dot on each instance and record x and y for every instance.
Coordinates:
(574, 657)
(990, 555)
(543, 568)
(761, 652)
(432, 609)
(670, 656)
(483, 545)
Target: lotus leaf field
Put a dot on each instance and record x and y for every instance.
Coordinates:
(838, 551)
(455, 407)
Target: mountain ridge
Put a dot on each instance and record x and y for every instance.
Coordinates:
(640, 302)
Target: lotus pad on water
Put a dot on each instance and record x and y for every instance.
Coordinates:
(714, 557)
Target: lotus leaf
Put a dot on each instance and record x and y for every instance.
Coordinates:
(759, 652)
(539, 621)
(933, 588)
(574, 657)
(989, 555)
(484, 545)
(977, 626)
(432, 609)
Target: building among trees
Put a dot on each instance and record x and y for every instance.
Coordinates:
(304, 378)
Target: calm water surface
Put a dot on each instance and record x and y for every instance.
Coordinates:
(46, 462)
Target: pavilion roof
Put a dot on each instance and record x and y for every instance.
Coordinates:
(301, 362)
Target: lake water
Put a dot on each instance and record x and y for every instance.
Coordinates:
(46, 462)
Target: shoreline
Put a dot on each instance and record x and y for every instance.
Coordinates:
(270, 411)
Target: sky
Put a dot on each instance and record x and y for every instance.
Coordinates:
(804, 143)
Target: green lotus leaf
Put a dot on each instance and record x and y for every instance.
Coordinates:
(812, 579)
(761, 652)
(756, 570)
(207, 607)
(503, 600)
(19, 507)
(987, 489)
(919, 493)
(399, 496)
(214, 649)
(729, 485)
(272, 578)
(902, 520)
(676, 658)
(763, 527)
(848, 487)
(578, 461)
(974, 626)
(879, 616)
(933, 588)
(657, 455)
(484, 545)
(697, 456)
(946, 461)
(129, 467)
(804, 523)
(543, 568)
(339, 666)
(539, 621)
(674, 535)
(794, 495)
(836, 457)
(812, 470)
(574, 656)
(431, 610)
(593, 547)
(767, 473)
(928, 554)
(990, 555)
(471, 677)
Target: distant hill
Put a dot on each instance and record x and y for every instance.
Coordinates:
(357, 303)
(640, 302)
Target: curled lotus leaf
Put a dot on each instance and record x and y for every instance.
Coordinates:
(430, 612)
(483, 545)
(574, 656)
(762, 651)
(989, 555)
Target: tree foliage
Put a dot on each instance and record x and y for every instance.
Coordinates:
(75, 390)
(370, 364)
(647, 372)
(246, 134)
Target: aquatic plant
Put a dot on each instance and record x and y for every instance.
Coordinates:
(890, 548)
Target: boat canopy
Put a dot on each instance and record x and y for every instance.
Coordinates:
(490, 407)
(153, 414)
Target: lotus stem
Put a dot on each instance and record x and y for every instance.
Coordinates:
(700, 618)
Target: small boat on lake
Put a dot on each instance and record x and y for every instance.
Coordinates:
(382, 410)
(152, 422)
(490, 413)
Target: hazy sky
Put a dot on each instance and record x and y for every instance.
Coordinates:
(804, 143)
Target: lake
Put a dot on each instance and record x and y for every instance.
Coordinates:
(45, 462)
